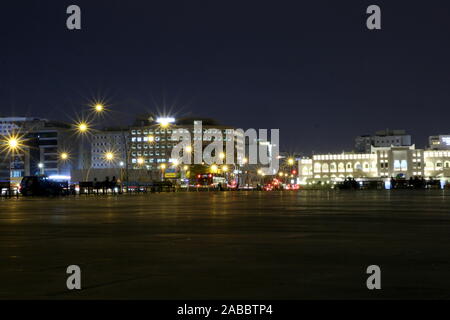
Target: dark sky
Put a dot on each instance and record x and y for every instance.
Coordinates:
(309, 68)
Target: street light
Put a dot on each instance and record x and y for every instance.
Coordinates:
(151, 138)
(109, 156)
(214, 168)
(225, 168)
(41, 167)
(64, 156)
(188, 149)
(140, 160)
(291, 161)
(82, 127)
(99, 108)
(12, 143)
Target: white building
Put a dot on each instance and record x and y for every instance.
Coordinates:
(380, 163)
(109, 148)
(384, 138)
(440, 142)
(12, 124)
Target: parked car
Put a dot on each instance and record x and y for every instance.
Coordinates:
(42, 186)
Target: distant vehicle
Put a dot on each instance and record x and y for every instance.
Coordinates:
(204, 180)
(43, 186)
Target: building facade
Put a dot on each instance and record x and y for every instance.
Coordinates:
(109, 148)
(380, 163)
(384, 138)
(151, 142)
(44, 142)
(440, 142)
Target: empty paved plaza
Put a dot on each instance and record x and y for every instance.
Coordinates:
(217, 245)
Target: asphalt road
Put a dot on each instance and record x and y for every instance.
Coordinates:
(227, 245)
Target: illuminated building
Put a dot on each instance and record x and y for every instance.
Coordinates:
(380, 163)
(384, 138)
(150, 138)
(109, 140)
(440, 142)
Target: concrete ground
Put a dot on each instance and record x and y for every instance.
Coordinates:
(227, 245)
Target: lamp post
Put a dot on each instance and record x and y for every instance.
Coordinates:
(163, 169)
(12, 145)
(41, 168)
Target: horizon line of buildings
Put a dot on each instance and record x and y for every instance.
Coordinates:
(147, 144)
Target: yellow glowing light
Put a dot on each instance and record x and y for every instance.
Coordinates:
(280, 174)
(163, 166)
(244, 161)
(222, 155)
(64, 156)
(260, 172)
(99, 107)
(109, 156)
(188, 149)
(82, 127)
(291, 161)
(175, 162)
(213, 167)
(185, 168)
(151, 138)
(224, 168)
(140, 160)
(12, 143)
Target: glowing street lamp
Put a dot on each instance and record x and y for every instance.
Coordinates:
(188, 149)
(99, 108)
(163, 166)
(82, 127)
(64, 156)
(291, 161)
(151, 138)
(185, 168)
(140, 160)
(41, 167)
(214, 168)
(109, 156)
(222, 155)
(12, 143)
(225, 168)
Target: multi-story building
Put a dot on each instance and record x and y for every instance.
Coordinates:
(151, 141)
(44, 143)
(440, 142)
(13, 124)
(380, 163)
(384, 138)
(109, 148)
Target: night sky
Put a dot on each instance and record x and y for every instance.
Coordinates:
(310, 68)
